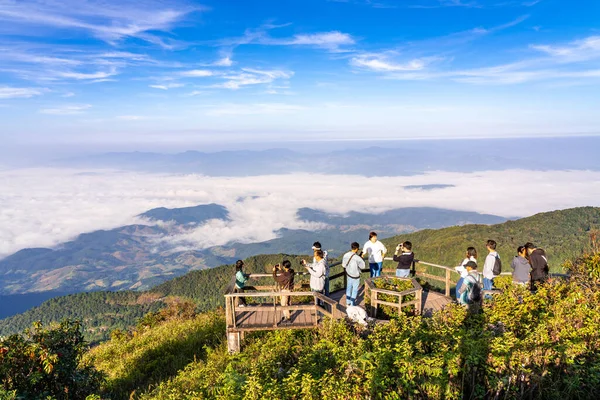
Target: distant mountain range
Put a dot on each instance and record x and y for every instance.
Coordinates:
(404, 158)
(563, 234)
(134, 256)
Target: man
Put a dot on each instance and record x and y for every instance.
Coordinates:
(353, 264)
(317, 246)
(376, 251)
(317, 272)
(490, 262)
(470, 291)
(539, 265)
(404, 260)
(284, 276)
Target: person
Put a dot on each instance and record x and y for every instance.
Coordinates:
(488, 268)
(539, 265)
(353, 264)
(317, 246)
(240, 281)
(470, 291)
(521, 267)
(405, 260)
(317, 272)
(471, 255)
(284, 276)
(376, 251)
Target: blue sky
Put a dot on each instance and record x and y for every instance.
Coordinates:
(107, 72)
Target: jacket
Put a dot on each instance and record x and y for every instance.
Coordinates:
(353, 264)
(240, 279)
(405, 260)
(539, 265)
(317, 275)
(521, 269)
(285, 279)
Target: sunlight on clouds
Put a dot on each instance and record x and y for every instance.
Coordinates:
(44, 207)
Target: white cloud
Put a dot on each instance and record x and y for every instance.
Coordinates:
(381, 63)
(580, 50)
(253, 109)
(223, 62)
(167, 86)
(45, 207)
(98, 75)
(250, 76)
(7, 92)
(196, 73)
(66, 109)
(111, 22)
(130, 117)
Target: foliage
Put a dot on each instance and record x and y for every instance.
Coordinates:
(155, 353)
(394, 284)
(543, 345)
(44, 363)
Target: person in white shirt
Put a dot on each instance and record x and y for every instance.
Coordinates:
(488, 267)
(317, 246)
(353, 264)
(317, 272)
(376, 251)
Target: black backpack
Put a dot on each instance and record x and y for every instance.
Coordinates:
(497, 266)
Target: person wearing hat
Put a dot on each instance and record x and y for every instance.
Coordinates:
(470, 290)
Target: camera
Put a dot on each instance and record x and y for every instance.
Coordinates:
(360, 253)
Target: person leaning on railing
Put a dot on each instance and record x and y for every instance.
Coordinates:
(404, 260)
(317, 271)
(284, 276)
(353, 264)
(240, 281)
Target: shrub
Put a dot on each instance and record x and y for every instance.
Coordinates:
(44, 362)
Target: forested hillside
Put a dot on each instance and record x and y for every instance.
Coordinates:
(564, 235)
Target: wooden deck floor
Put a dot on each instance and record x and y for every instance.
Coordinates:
(262, 316)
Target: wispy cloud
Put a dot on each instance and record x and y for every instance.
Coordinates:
(253, 109)
(111, 22)
(70, 109)
(381, 62)
(197, 73)
(7, 92)
(167, 86)
(130, 117)
(579, 50)
(249, 76)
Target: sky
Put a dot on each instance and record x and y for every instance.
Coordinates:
(126, 74)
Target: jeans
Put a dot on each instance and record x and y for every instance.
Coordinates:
(375, 269)
(402, 273)
(488, 284)
(458, 285)
(327, 286)
(352, 291)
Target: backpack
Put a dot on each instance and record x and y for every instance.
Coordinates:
(497, 270)
(474, 293)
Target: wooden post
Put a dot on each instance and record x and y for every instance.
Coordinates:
(448, 283)
(316, 311)
(399, 305)
(274, 311)
(345, 281)
(374, 304)
(233, 342)
(233, 299)
(419, 305)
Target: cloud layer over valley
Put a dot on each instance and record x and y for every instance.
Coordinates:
(45, 207)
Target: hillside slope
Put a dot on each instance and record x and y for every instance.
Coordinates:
(564, 234)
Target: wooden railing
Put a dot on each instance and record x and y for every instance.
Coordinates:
(374, 293)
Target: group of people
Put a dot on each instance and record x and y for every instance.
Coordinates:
(529, 268)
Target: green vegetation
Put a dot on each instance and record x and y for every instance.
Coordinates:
(563, 234)
(44, 364)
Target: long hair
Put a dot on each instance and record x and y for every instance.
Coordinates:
(239, 264)
(471, 252)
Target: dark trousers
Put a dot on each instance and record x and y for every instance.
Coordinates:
(239, 300)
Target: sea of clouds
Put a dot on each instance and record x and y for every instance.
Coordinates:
(45, 207)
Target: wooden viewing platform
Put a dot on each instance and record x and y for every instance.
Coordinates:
(307, 308)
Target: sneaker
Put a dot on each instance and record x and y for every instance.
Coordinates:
(241, 306)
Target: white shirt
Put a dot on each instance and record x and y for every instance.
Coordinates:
(488, 267)
(375, 251)
(357, 314)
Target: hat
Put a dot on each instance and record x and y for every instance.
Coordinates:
(471, 264)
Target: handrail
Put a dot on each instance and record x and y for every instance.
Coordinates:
(417, 290)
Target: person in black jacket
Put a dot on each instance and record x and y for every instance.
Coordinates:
(284, 276)
(539, 265)
(404, 260)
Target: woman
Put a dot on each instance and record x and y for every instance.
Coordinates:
(471, 255)
(240, 281)
(521, 267)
